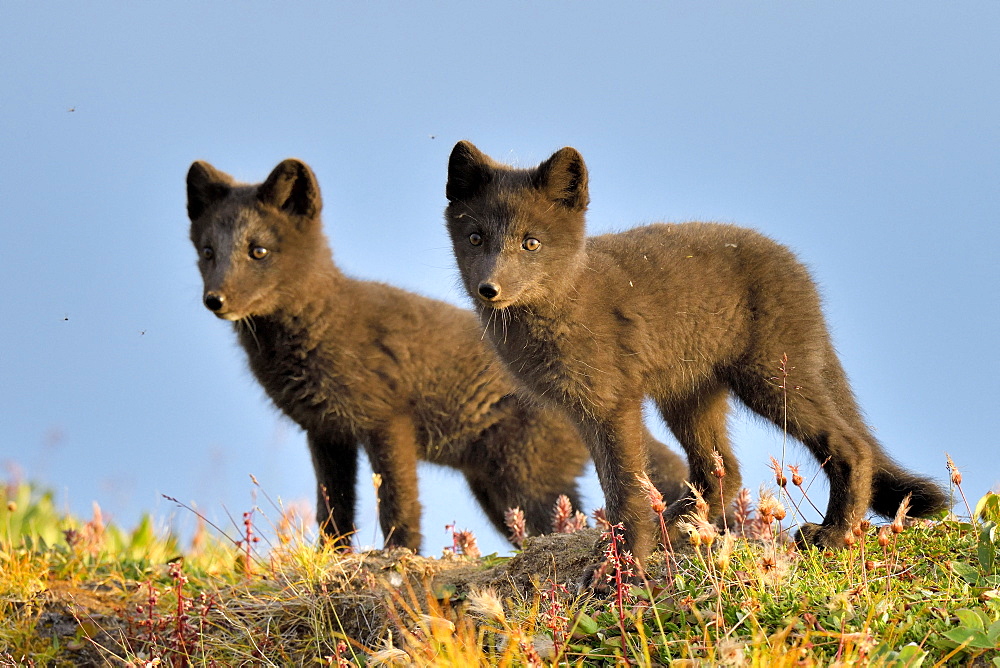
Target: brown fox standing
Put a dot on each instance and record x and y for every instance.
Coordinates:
(685, 314)
(362, 362)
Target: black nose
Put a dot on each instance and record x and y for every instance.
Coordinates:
(213, 302)
(489, 290)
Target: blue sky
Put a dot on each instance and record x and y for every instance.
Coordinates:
(866, 136)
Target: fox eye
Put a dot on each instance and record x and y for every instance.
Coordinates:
(531, 244)
(207, 253)
(475, 239)
(258, 252)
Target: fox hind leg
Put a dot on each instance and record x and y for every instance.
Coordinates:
(816, 412)
(698, 421)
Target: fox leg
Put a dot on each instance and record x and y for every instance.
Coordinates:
(617, 444)
(392, 452)
(698, 421)
(666, 469)
(891, 483)
(531, 460)
(811, 414)
(335, 461)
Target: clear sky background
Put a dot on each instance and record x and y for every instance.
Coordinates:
(866, 136)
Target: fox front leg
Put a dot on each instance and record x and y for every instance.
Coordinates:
(335, 461)
(392, 451)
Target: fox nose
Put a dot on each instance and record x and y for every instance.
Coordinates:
(214, 302)
(489, 290)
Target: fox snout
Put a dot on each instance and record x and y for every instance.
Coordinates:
(217, 303)
(489, 290)
(214, 301)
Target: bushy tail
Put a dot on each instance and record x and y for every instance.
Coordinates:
(891, 484)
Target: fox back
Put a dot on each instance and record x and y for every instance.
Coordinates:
(362, 363)
(686, 314)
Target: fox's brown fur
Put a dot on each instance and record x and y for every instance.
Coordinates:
(359, 362)
(687, 314)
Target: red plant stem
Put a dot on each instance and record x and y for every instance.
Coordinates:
(619, 589)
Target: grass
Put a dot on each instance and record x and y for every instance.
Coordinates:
(910, 593)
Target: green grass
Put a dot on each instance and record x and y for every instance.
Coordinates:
(75, 592)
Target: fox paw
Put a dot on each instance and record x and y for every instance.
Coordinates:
(596, 581)
(821, 535)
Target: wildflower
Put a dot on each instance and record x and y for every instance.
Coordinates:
(883, 537)
(600, 516)
(743, 507)
(564, 519)
(514, 519)
(555, 618)
(464, 542)
(774, 566)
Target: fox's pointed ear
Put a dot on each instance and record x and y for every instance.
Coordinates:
(292, 187)
(469, 170)
(205, 186)
(563, 177)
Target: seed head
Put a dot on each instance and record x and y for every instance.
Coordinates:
(701, 506)
(779, 475)
(720, 466)
(655, 497)
(694, 536)
(796, 476)
(768, 507)
(898, 521)
(849, 539)
(485, 603)
(956, 475)
(725, 552)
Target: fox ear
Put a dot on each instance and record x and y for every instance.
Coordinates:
(564, 178)
(292, 187)
(469, 170)
(205, 186)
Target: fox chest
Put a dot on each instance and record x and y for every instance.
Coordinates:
(565, 368)
(312, 389)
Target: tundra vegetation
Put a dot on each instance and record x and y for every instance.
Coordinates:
(905, 593)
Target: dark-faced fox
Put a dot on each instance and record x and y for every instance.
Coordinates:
(685, 314)
(358, 362)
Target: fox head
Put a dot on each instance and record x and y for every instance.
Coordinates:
(254, 241)
(518, 234)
